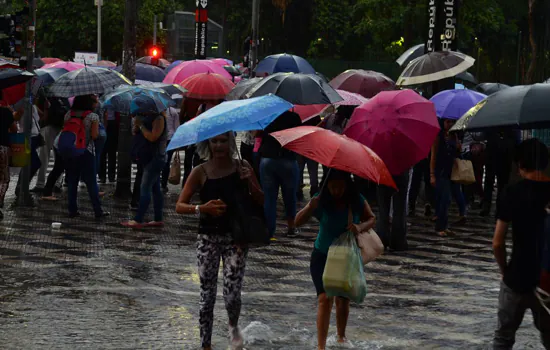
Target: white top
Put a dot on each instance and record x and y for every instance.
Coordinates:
(35, 125)
(172, 121)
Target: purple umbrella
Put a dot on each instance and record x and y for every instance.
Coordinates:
(453, 104)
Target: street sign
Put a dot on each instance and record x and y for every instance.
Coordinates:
(98, 2)
(85, 57)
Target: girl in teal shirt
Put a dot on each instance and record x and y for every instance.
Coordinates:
(331, 208)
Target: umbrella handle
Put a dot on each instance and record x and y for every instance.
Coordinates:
(325, 182)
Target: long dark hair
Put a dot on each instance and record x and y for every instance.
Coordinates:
(84, 103)
(351, 194)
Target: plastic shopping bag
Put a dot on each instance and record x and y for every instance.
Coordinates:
(344, 275)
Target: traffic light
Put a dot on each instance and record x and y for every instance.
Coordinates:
(9, 37)
(155, 54)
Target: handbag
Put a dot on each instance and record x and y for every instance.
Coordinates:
(369, 243)
(249, 225)
(175, 170)
(463, 172)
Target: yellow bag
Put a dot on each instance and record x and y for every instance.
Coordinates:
(463, 172)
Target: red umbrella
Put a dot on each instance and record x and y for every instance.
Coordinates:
(400, 126)
(363, 82)
(308, 112)
(207, 86)
(5, 64)
(335, 151)
(350, 98)
(14, 94)
(48, 60)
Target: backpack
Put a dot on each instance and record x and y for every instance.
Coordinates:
(57, 111)
(72, 140)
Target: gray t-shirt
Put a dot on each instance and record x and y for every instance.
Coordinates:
(88, 121)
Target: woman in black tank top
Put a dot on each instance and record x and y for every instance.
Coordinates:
(217, 182)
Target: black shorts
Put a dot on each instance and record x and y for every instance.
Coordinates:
(316, 268)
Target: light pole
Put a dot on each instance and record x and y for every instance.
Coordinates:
(254, 45)
(99, 3)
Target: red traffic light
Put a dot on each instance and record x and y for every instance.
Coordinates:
(155, 52)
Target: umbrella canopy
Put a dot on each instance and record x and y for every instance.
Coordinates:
(434, 66)
(87, 81)
(363, 82)
(335, 151)
(309, 112)
(188, 68)
(452, 104)
(234, 71)
(466, 77)
(10, 77)
(240, 115)
(172, 66)
(38, 63)
(105, 64)
(48, 60)
(221, 61)
(409, 55)
(70, 66)
(242, 88)
(47, 76)
(171, 89)
(148, 59)
(524, 107)
(400, 126)
(322, 76)
(350, 98)
(4, 64)
(137, 100)
(490, 88)
(300, 89)
(207, 86)
(284, 63)
(147, 72)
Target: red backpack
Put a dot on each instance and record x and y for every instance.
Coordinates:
(72, 140)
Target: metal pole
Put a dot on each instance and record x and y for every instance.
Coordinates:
(99, 3)
(255, 36)
(155, 31)
(518, 58)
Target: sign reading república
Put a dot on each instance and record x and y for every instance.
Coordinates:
(201, 28)
(442, 25)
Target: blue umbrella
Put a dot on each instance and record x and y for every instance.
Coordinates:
(137, 100)
(453, 104)
(240, 115)
(147, 72)
(284, 63)
(172, 66)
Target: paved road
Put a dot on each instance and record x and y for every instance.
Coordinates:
(97, 285)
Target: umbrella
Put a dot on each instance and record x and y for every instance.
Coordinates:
(300, 89)
(207, 86)
(234, 71)
(363, 82)
(10, 77)
(411, 53)
(188, 68)
(70, 66)
(335, 151)
(350, 98)
(452, 104)
(466, 77)
(47, 76)
(435, 66)
(284, 63)
(322, 76)
(221, 62)
(147, 72)
(87, 81)
(38, 63)
(524, 106)
(137, 100)
(242, 88)
(400, 126)
(172, 66)
(171, 89)
(148, 59)
(48, 60)
(490, 88)
(309, 111)
(105, 64)
(240, 115)
(7, 64)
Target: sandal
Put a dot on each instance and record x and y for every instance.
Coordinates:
(154, 224)
(442, 233)
(132, 224)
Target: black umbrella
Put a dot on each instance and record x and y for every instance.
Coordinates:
(297, 88)
(490, 88)
(234, 71)
(47, 76)
(434, 66)
(242, 88)
(524, 107)
(322, 76)
(409, 55)
(10, 77)
(38, 63)
(466, 77)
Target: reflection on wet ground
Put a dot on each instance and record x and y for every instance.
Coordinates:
(96, 285)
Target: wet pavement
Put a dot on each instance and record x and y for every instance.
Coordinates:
(96, 285)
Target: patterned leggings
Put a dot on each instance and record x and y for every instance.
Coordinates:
(209, 250)
(4, 173)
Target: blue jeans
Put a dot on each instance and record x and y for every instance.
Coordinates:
(275, 173)
(458, 195)
(150, 185)
(442, 202)
(83, 168)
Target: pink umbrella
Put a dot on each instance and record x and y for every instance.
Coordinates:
(350, 98)
(48, 60)
(70, 66)
(400, 126)
(308, 112)
(364, 82)
(221, 62)
(188, 68)
(105, 64)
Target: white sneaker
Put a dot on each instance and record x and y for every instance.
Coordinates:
(236, 338)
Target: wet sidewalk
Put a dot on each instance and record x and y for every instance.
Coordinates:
(96, 285)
